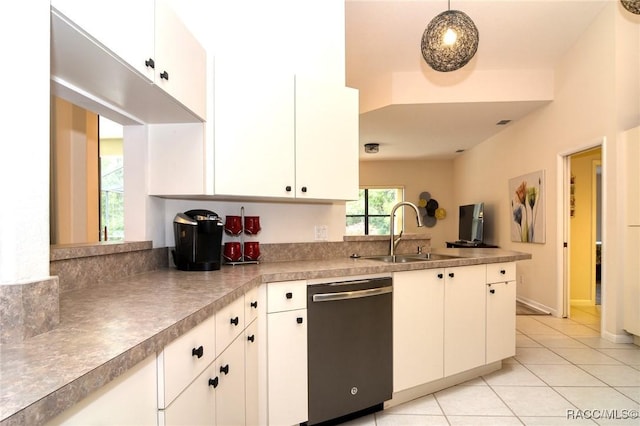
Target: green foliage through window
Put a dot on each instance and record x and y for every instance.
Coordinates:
(369, 215)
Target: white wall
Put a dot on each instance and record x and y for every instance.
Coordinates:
(24, 151)
(591, 103)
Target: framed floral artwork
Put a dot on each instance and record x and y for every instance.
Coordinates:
(526, 194)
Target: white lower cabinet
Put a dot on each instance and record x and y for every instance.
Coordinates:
(196, 405)
(464, 318)
(252, 374)
(501, 311)
(418, 316)
(230, 399)
(286, 354)
(133, 393)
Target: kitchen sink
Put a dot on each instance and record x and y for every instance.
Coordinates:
(407, 258)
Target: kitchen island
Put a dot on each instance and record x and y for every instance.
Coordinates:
(108, 329)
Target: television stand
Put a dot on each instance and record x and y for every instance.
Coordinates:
(468, 244)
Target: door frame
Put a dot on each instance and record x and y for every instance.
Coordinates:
(564, 224)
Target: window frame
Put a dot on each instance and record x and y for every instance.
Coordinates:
(400, 222)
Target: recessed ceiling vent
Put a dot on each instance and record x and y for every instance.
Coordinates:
(503, 122)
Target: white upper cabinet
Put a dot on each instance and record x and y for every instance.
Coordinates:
(254, 131)
(104, 55)
(326, 141)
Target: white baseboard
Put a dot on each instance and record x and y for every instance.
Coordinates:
(617, 338)
(535, 305)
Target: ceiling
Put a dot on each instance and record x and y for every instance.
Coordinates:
(383, 39)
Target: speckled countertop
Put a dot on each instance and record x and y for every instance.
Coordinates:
(107, 329)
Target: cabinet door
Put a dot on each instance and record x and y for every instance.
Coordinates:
(287, 367)
(180, 61)
(124, 27)
(418, 316)
(464, 318)
(632, 280)
(251, 340)
(230, 399)
(326, 141)
(254, 131)
(501, 320)
(229, 323)
(197, 404)
(183, 359)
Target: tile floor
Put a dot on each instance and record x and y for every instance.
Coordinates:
(561, 367)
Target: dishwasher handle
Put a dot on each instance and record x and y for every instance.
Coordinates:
(344, 295)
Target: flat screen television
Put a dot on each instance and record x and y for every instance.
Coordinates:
(471, 223)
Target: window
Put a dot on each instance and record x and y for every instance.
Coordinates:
(111, 181)
(369, 215)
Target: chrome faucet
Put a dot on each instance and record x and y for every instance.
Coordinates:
(393, 242)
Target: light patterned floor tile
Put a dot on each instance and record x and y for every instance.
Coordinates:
(576, 330)
(632, 392)
(513, 374)
(523, 341)
(581, 356)
(383, 419)
(471, 400)
(627, 356)
(533, 400)
(425, 405)
(597, 398)
(483, 421)
(558, 341)
(598, 342)
(614, 375)
(555, 421)
(564, 375)
(538, 356)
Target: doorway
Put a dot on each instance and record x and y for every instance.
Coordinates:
(583, 235)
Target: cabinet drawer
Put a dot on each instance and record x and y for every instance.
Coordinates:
(286, 296)
(183, 359)
(229, 323)
(501, 272)
(251, 305)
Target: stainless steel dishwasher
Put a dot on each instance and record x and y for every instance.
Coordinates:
(349, 347)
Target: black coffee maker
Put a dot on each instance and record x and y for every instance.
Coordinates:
(198, 235)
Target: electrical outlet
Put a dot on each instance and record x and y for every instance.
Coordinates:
(322, 232)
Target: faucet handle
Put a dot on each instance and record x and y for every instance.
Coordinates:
(420, 249)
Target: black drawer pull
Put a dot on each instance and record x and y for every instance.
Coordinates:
(213, 382)
(502, 271)
(303, 189)
(492, 291)
(164, 75)
(235, 321)
(251, 338)
(225, 369)
(299, 320)
(440, 276)
(197, 352)
(289, 295)
(254, 304)
(287, 188)
(451, 274)
(150, 63)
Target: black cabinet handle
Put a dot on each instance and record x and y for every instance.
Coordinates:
(440, 276)
(197, 352)
(492, 291)
(164, 75)
(303, 189)
(235, 321)
(251, 338)
(225, 369)
(299, 320)
(254, 304)
(451, 274)
(502, 271)
(213, 382)
(289, 295)
(287, 188)
(150, 63)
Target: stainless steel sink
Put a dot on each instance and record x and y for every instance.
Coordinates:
(407, 258)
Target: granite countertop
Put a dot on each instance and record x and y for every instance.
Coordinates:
(107, 329)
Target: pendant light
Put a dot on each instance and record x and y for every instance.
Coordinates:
(632, 6)
(449, 41)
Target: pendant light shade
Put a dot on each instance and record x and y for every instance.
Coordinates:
(632, 6)
(449, 41)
